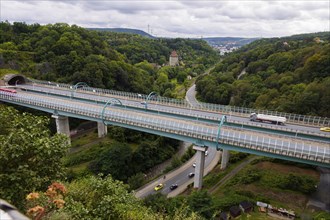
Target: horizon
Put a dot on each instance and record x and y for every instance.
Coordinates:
(179, 18)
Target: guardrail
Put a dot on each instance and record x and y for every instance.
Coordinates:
(189, 113)
(193, 129)
(225, 109)
(294, 118)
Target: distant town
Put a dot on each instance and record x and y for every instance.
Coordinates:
(225, 48)
(228, 44)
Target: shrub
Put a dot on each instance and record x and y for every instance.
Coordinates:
(247, 177)
(304, 184)
(237, 157)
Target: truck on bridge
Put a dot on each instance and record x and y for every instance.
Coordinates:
(268, 118)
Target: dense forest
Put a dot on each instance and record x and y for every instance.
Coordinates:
(289, 74)
(127, 62)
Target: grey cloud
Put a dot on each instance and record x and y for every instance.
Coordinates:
(178, 18)
(130, 7)
(277, 13)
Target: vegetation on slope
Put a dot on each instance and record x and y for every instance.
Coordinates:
(70, 54)
(290, 74)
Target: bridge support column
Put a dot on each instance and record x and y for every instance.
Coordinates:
(102, 129)
(224, 159)
(199, 169)
(62, 125)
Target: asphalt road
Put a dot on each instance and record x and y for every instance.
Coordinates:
(180, 176)
(190, 97)
(180, 124)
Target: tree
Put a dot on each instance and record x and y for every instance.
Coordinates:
(136, 180)
(201, 202)
(116, 161)
(94, 197)
(30, 157)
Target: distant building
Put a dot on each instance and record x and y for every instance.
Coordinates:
(286, 44)
(174, 59)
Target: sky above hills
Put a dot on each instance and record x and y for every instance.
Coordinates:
(185, 18)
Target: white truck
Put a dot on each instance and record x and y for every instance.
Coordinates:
(268, 118)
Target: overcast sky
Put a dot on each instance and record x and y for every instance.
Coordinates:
(185, 18)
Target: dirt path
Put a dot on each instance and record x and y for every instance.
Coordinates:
(90, 144)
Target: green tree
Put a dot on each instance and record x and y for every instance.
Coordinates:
(136, 180)
(95, 197)
(102, 198)
(201, 202)
(116, 161)
(30, 157)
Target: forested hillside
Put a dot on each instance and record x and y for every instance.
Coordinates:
(124, 30)
(127, 62)
(290, 74)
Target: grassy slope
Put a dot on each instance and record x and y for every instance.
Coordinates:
(262, 189)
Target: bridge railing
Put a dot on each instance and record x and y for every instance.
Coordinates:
(193, 129)
(114, 93)
(294, 132)
(237, 138)
(291, 117)
(224, 109)
(190, 113)
(278, 146)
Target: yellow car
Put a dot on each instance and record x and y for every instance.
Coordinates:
(159, 187)
(326, 129)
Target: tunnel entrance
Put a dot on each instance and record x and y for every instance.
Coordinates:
(15, 79)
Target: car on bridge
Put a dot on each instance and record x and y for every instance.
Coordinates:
(159, 187)
(326, 129)
(173, 186)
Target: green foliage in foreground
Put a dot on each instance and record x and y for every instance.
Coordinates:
(30, 157)
(105, 198)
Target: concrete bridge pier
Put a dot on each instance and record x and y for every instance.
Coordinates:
(62, 125)
(102, 129)
(199, 169)
(224, 159)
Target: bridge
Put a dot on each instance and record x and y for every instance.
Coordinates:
(206, 125)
